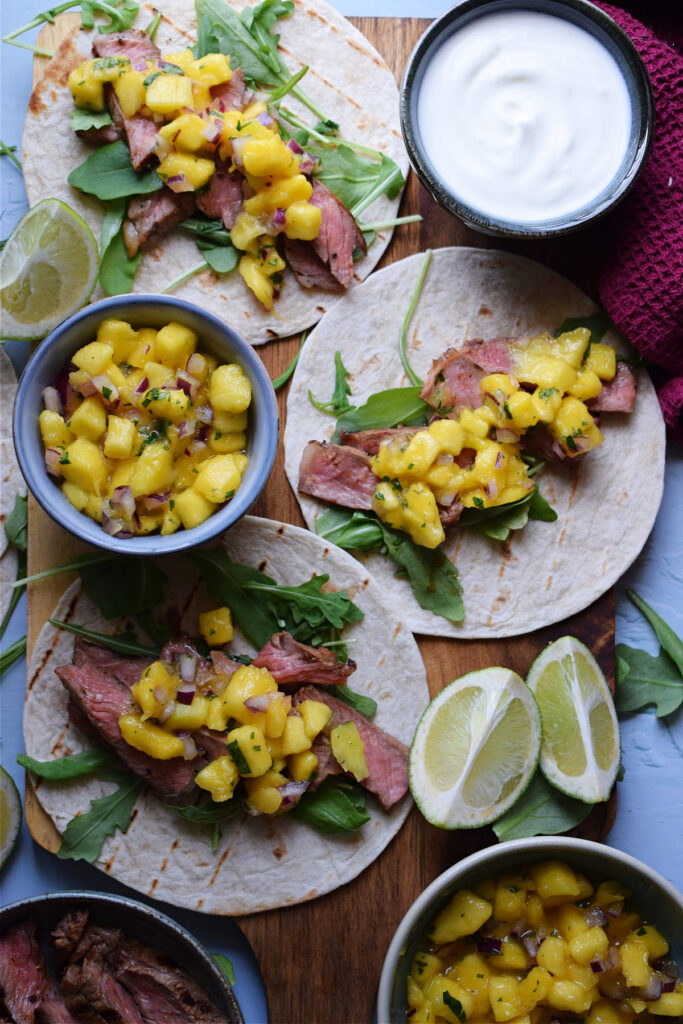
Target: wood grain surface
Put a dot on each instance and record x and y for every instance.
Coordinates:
(321, 960)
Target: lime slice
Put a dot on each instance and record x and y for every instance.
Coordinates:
(48, 270)
(10, 815)
(475, 749)
(580, 752)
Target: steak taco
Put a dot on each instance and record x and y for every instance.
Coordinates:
(259, 701)
(184, 159)
(511, 402)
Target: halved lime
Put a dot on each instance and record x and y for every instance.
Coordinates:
(48, 270)
(580, 752)
(10, 815)
(475, 749)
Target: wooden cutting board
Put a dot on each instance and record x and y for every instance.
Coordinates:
(321, 960)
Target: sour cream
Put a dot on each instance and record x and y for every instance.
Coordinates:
(524, 116)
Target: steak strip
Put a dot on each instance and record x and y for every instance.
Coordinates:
(149, 218)
(292, 663)
(338, 474)
(327, 261)
(385, 756)
(165, 994)
(89, 983)
(26, 988)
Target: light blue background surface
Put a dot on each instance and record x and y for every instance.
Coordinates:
(649, 823)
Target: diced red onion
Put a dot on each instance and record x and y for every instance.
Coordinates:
(295, 147)
(669, 985)
(652, 990)
(506, 436)
(122, 498)
(531, 942)
(188, 383)
(308, 164)
(185, 428)
(212, 133)
(487, 394)
(179, 183)
(613, 910)
(189, 746)
(444, 459)
(446, 498)
(581, 443)
(196, 364)
(142, 386)
(237, 147)
(265, 119)
(259, 702)
(154, 501)
(158, 118)
(595, 916)
(291, 793)
(489, 944)
(613, 988)
(160, 694)
(251, 810)
(52, 457)
(204, 414)
(113, 527)
(169, 708)
(499, 460)
(87, 388)
(491, 490)
(666, 966)
(103, 384)
(279, 216)
(596, 967)
(185, 694)
(136, 520)
(187, 666)
(51, 400)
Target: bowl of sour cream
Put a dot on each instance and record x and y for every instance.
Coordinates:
(526, 118)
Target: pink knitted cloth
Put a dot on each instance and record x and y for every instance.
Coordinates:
(641, 281)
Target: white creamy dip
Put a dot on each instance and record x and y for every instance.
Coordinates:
(523, 115)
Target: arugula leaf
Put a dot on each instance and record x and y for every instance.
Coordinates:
(83, 120)
(287, 373)
(121, 14)
(206, 814)
(212, 231)
(117, 270)
(247, 40)
(338, 805)
(309, 603)
(455, 1006)
(432, 575)
(540, 508)
(354, 178)
(16, 593)
(387, 409)
(497, 521)
(403, 334)
(83, 837)
(73, 766)
(348, 529)
(339, 403)
(366, 705)
(644, 679)
(16, 524)
(225, 582)
(12, 654)
(122, 643)
(107, 173)
(124, 586)
(226, 968)
(540, 810)
(222, 259)
(671, 643)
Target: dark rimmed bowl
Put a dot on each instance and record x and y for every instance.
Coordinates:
(582, 14)
(138, 921)
(215, 337)
(652, 895)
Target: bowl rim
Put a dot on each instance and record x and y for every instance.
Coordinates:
(586, 13)
(151, 545)
(103, 899)
(543, 845)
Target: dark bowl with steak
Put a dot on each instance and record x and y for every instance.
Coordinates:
(87, 957)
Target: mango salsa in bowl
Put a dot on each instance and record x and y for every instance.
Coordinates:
(145, 425)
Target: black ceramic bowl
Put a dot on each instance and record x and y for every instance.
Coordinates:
(138, 921)
(600, 26)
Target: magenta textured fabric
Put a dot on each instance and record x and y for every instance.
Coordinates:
(641, 282)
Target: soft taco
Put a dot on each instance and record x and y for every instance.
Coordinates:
(347, 81)
(261, 861)
(11, 480)
(479, 302)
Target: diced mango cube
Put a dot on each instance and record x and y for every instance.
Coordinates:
(294, 739)
(53, 430)
(154, 471)
(120, 439)
(276, 716)
(303, 220)
(190, 169)
(302, 766)
(504, 998)
(216, 626)
(553, 878)
(83, 464)
(249, 750)
(156, 686)
(188, 717)
(130, 92)
(316, 715)
(150, 738)
(218, 479)
(464, 915)
(552, 955)
(93, 358)
(168, 93)
(229, 388)
(592, 944)
(567, 995)
(219, 777)
(349, 749)
(602, 360)
(450, 1000)
(175, 343)
(634, 962)
(192, 508)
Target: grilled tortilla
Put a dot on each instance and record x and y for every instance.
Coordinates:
(11, 480)
(260, 863)
(347, 79)
(606, 505)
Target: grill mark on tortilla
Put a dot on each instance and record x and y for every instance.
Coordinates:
(174, 845)
(562, 536)
(485, 311)
(280, 531)
(51, 647)
(272, 333)
(109, 864)
(575, 484)
(263, 565)
(164, 865)
(314, 74)
(363, 50)
(200, 904)
(320, 309)
(280, 851)
(221, 861)
(58, 743)
(398, 629)
(153, 887)
(66, 58)
(365, 583)
(136, 811)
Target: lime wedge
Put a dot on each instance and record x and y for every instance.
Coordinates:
(48, 270)
(475, 749)
(580, 752)
(10, 815)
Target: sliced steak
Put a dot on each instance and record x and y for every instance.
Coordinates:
(67, 934)
(368, 441)
(292, 664)
(327, 762)
(213, 744)
(99, 136)
(309, 269)
(103, 700)
(540, 443)
(222, 200)
(164, 993)
(337, 474)
(89, 983)
(339, 235)
(26, 988)
(224, 665)
(232, 95)
(132, 43)
(618, 394)
(386, 757)
(493, 356)
(125, 670)
(452, 384)
(151, 217)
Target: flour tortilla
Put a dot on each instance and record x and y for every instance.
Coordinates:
(11, 480)
(549, 570)
(348, 80)
(260, 863)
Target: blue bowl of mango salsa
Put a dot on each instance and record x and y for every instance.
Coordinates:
(547, 929)
(145, 425)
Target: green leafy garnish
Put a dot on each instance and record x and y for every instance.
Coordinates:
(238, 757)
(287, 373)
(16, 531)
(541, 810)
(455, 1006)
(387, 409)
(338, 805)
(365, 705)
(226, 967)
(308, 603)
(16, 524)
(83, 120)
(84, 835)
(73, 766)
(353, 531)
(122, 643)
(497, 521)
(354, 178)
(671, 643)
(13, 653)
(118, 14)
(10, 151)
(645, 679)
(124, 586)
(339, 403)
(107, 173)
(117, 270)
(403, 336)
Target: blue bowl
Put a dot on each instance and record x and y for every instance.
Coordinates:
(216, 338)
(650, 894)
(585, 16)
